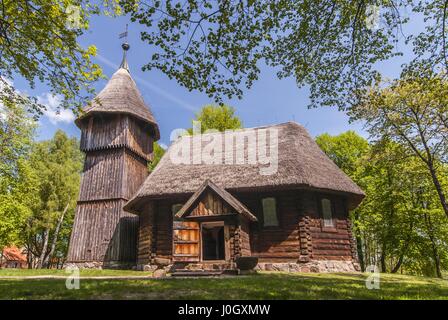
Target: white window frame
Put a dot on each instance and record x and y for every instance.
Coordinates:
(274, 222)
(327, 212)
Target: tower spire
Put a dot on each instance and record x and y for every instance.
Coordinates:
(125, 46)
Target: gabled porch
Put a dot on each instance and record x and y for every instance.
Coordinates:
(211, 230)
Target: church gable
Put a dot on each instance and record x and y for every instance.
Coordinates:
(210, 200)
(210, 204)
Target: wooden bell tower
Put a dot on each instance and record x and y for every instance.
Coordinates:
(117, 135)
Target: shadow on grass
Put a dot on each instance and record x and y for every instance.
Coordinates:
(262, 286)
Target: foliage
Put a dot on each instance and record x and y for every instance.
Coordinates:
(217, 117)
(39, 42)
(400, 225)
(412, 111)
(346, 150)
(16, 203)
(17, 179)
(58, 164)
(217, 47)
(158, 153)
(332, 46)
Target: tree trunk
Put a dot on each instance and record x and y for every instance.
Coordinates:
(383, 260)
(438, 187)
(47, 259)
(360, 253)
(405, 249)
(435, 251)
(359, 245)
(398, 265)
(1, 259)
(44, 248)
(29, 259)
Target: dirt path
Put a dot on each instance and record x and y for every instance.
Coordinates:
(81, 277)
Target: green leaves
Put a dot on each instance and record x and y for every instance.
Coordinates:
(17, 180)
(217, 46)
(158, 153)
(39, 43)
(58, 165)
(217, 117)
(412, 111)
(401, 221)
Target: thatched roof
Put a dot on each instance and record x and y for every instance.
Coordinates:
(121, 95)
(301, 164)
(223, 194)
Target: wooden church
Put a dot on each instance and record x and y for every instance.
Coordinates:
(197, 216)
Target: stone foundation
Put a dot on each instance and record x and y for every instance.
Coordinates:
(187, 266)
(312, 266)
(316, 266)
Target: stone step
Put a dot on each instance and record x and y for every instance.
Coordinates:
(202, 273)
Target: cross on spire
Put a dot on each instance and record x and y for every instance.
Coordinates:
(125, 46)
(124, 34)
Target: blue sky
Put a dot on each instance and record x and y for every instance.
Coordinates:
(269, 101)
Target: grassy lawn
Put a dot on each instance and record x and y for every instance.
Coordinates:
(83, 273)
(261, 286)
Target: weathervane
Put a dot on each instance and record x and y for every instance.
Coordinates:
(125, 46)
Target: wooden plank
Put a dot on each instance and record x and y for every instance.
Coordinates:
(185, 241)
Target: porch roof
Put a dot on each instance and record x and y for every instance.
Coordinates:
(226, 196)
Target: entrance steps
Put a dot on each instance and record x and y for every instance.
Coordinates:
(202, 273)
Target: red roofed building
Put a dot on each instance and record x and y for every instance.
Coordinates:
(13, 257)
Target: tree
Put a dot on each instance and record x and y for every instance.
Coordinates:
(17, 180)
(17, 199)
(217, 117)
(158, 153)
(58, 163)
(400, 224)
(38, 41)
(388, 214)
(331, 46)
(346, 150)
(411, 111)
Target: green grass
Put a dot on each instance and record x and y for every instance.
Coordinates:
(83, 272)
(261, 286)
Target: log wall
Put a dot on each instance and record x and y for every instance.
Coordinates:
(329, 243)
(164, 230)
(300, 236)
(279, 243)
(146, 235)
(244, 237)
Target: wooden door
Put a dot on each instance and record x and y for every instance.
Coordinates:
(186, 241)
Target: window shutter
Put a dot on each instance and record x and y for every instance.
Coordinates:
(327, 213)
(270, 218)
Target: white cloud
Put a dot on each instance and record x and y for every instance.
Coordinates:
(53, 112)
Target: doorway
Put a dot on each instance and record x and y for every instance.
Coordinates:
(213, 247)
